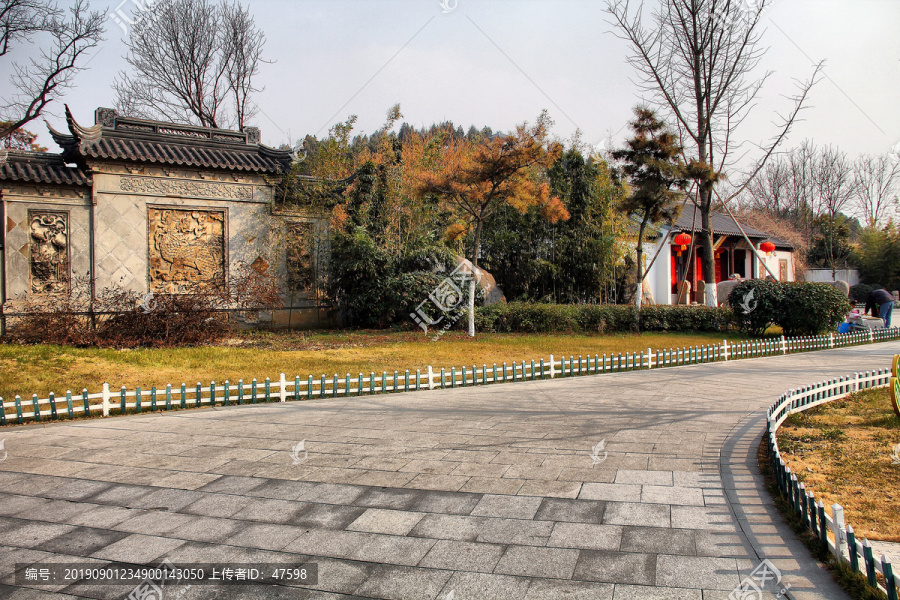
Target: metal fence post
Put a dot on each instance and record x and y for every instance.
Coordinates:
(282, 388)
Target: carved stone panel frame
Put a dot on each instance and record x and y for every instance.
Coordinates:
(186, 245)
(49, 257)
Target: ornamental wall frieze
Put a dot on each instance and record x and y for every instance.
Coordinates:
(178, 187)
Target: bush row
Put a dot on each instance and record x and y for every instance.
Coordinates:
(798, 308)
(525, 317)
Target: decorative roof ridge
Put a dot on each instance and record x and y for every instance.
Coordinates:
(94, 132)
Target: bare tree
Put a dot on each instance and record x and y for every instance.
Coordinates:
(194, 62)
(65, 36)
(696, 58)
(877, 181)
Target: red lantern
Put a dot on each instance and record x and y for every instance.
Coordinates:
(767, 247)
(682, 239)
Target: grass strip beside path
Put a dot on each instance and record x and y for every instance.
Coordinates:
(842, 451)
(42, 369)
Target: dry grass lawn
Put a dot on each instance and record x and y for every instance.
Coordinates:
(842, 450)
(25, 370)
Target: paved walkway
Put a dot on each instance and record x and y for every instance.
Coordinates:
(630, 486)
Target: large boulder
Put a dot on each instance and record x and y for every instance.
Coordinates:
(724, 289)
(843, 286)
(492, 292)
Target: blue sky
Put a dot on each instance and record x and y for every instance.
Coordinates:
(499, 62)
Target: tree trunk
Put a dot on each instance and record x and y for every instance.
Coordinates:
(473, 283)
(707, 258)
(639, 286)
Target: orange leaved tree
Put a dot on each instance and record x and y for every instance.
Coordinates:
(476, 179)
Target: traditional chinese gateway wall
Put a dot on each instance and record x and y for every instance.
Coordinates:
(155, 207)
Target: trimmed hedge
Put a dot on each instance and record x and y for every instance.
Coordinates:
(527, 317)
(798, 308)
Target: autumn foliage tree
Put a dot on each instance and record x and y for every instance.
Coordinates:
(476, 180)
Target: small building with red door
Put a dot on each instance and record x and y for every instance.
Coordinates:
(735, 258)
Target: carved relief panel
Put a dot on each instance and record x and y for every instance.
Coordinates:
(49, 258)
(187, 248)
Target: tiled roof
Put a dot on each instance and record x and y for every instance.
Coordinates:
(40, 167)
(113, 137)
(722, 224)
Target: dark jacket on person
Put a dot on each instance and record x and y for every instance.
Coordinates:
(875, 299)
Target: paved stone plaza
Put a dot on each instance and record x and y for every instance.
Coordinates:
(496, 492)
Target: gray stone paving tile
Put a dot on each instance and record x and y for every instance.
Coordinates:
(206, 529)
(122, 495)
(342, 576)
(448, 527)
(616, 567)
(264, 536)
(77, 490)
(658, 540)
(394, 498)
(549, 589)
(634, 476)
(662, 494)
(270, 510)
(217, 505)
(379, 520)
(167, 499)
(632, 513)
(479, 469)
(33, 534)
(703, 517)
(492, 485)
(620, 492)
(574, 511)
(325, 516)
(391, 549)
(452, 503)
(553, 489)
(721, 543)
(586, 536)
(463, 556)
(479, 586)
(643, 592)
(138, 549)
(428, 481)
(513, 507)
(102, 516)
(697, 479)
(327, 542)
(515, 531)
(152, 522)
(529, 561)
(282, 489)
(697, 572)
(82, 541)
(231, 484)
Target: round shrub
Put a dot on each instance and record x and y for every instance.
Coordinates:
(811, 308)
(756, 305)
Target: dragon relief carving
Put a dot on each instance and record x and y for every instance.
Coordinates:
(174, 187)
(49, 251)
(187, 248)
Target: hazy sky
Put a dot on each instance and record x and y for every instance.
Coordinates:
(499, 62)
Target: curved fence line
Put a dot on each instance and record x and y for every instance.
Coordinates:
(834, 534)
(122, 401)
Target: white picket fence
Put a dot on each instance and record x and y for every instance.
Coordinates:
(120, 401)
(834, 534)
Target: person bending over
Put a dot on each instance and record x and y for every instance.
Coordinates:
(880, 303)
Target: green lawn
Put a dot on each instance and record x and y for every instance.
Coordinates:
(42, 369)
